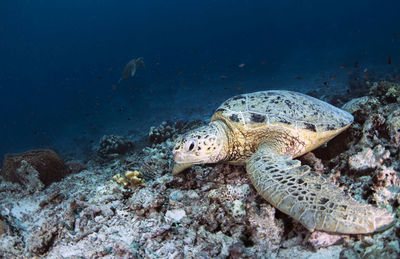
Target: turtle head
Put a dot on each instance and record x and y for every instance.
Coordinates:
(202, 145)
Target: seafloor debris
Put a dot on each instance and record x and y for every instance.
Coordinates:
(210, 211)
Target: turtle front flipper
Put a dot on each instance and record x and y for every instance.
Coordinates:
(307, 197)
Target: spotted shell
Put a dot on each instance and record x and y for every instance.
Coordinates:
(280, 106)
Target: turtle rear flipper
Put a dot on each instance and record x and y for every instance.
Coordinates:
(307, 197)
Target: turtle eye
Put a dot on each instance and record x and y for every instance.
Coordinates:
(190, 146)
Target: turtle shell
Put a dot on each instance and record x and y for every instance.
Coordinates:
(279, 106)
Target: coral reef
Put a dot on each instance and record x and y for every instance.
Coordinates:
(111, 146)
(210, 211)
(388, 91)
(34, 168)
(167, 130)
(161, 133)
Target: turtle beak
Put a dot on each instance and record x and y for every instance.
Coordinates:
(178, 168)
(175, 154)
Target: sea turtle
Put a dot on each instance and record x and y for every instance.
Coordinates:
(265, 131)
(130, 68)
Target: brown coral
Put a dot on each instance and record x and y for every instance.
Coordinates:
(46, 162)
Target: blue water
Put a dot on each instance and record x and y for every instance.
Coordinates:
(60, 61)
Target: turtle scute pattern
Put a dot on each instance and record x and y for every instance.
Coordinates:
(279, 106)
(310, 199)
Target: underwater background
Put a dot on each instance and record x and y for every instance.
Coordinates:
(61, 61)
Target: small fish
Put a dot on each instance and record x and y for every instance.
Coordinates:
(365, 70)
(326, 83)
(263, 62)
(130, 68)
(342, 67)
(356, 64)
(242, 65)
(351, 71)
(299, 77)
(223, 77)
(114, 87)
(332, 77)
(239, 88)
(389, 60)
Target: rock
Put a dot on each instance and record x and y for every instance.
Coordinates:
(42, 238)
(3, 227)
(319, 239)
(393, 126)
(368, 159)
(238, 209)
(349, 253)
(390, 250)
(311, 160)
(237, 250)
(372, 126)
(364, 105)
(386, 176)
(176, 195)
(266, 231)
(145, 201)
(175, 216)
(43, 164)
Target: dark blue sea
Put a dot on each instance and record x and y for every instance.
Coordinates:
(61, 61)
